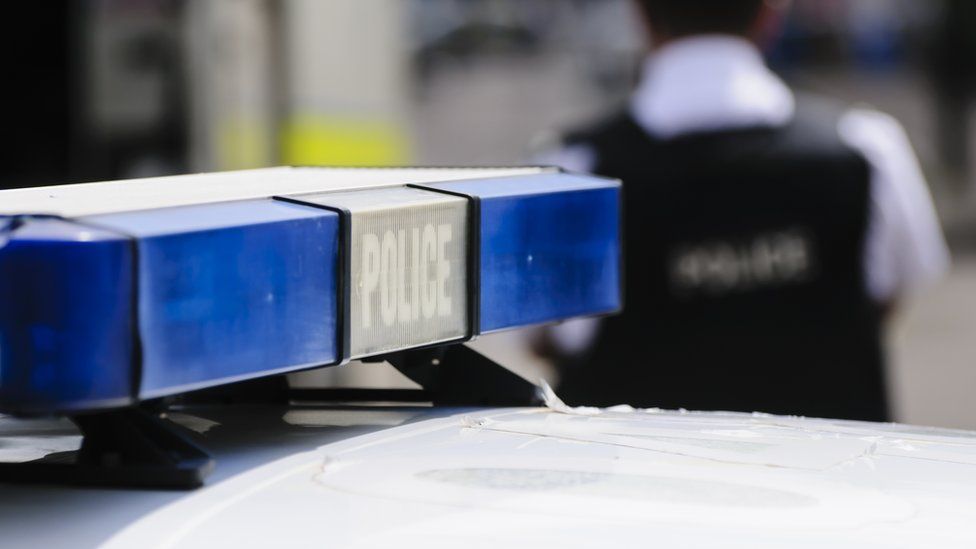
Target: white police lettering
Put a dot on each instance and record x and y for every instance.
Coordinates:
(370, 245)
(443, 270)
(410, 270)
(725, 266)
(428, 287)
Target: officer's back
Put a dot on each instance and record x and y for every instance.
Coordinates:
(754, 272)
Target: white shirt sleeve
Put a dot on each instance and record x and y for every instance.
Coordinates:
(905, 249)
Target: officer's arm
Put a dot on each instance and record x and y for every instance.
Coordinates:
(905, 249)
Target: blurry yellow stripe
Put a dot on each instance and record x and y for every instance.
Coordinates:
(321, 140)
(242, 144)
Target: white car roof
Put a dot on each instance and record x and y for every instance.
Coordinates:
(538, 477)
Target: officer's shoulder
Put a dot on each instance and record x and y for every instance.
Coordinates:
(819, 123)
(873, 131)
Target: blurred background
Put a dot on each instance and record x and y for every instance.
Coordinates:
(109, 89)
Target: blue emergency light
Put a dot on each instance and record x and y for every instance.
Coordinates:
(114, 293)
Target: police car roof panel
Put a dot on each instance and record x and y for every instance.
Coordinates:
(615, 478)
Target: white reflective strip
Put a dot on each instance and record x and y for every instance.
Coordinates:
(905, 249)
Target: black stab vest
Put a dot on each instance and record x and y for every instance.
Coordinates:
(744, 273)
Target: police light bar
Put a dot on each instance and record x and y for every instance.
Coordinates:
(116, 292)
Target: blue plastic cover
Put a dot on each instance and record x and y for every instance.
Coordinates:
(550, 247)
(66, 311)
(232, 291)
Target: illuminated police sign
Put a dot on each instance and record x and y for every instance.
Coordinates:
(407, 267)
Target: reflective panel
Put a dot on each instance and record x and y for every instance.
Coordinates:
(407, 267)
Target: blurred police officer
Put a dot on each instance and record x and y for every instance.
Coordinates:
(768, 234)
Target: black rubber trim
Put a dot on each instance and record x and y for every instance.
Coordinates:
(474, 255)
(343, 273)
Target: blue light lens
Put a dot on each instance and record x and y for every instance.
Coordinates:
(232, 291)
(66, 318)
(550, 247)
